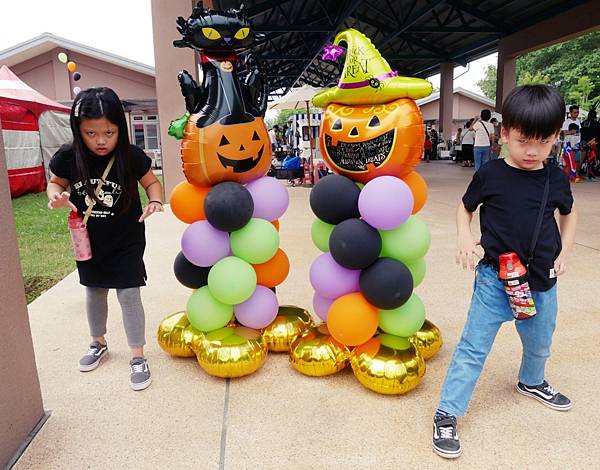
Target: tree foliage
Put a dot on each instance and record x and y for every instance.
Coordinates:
(573, 66)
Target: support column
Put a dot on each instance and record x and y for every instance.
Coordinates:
(446, 99)
(169, 61)
(506, 78)
(21, 405)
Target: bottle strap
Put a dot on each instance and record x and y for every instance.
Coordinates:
(97, 190)
(538, 225)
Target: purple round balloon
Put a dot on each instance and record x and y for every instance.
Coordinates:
(321, 306)
(204, 245)
(259, 310)
(330, 280)
(270, 197)
(385, 202)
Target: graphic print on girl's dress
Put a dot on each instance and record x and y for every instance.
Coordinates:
(109, 195)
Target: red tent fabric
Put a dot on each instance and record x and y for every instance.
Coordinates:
(20, 109)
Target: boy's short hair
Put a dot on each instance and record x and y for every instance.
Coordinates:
(536, 111)
(573, 127)
(573, 107)
(486, 114)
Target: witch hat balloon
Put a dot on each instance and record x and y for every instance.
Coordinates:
(367, 77)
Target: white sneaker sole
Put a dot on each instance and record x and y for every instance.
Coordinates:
(544, 402)
(88, 368)
(446, 454)
(141, 386)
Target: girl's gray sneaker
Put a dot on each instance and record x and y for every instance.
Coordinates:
(95, 354)
(140, 377)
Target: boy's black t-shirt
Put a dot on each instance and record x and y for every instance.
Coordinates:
(510, 201)
(117, 238)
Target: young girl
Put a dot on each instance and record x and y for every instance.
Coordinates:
(116, 223)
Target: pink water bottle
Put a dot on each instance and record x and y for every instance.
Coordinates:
(80, 238)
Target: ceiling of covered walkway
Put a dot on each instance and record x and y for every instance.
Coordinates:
(415, 36)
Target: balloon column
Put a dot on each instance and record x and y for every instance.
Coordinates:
(373, 243)
(230, 252)
(71, 67)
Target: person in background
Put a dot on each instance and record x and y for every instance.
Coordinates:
(427, 147)
(274, 136)
(468, 139)
(570, 131)
(458, 145)
(484, 135)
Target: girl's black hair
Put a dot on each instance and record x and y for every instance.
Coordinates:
(536, 111)
(95, 103)
(486, 114)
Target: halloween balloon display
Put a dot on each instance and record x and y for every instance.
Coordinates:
(230, 251)
(372, 137)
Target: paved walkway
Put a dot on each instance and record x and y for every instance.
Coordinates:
(278, 418)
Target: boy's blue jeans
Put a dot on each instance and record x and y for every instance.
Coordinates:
(489, 309)
(482, 156)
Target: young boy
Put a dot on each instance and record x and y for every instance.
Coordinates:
(510, 192)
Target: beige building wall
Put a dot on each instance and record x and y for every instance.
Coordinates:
(50, 77)
(464, 108)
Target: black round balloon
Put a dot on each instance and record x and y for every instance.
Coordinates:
(76, 76)
(387, 283)
(228, 206)
(335, 199)
(354, 244)
(189, 274)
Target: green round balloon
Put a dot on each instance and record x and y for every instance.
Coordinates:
(320, 232)
(394, 342)
(257, 242)
(417, 269)
(405, 320)
(232, 280)
(408, 242)
(63, 57)
(206, 313)
(360, 185)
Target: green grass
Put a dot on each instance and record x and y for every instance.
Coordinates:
(44, 242)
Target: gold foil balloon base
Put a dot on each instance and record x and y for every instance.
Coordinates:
(290, 323)
(428, 340)
(388, 364)
(232, 352)
(176, 336)
(317, 353)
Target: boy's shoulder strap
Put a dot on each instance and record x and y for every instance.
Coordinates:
(538, 225)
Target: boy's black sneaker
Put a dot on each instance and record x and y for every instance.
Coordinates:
(545, 394)
(445, 437)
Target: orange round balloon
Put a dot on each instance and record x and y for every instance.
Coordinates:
(273, 272)
(367, 141)
(187, 202)
(275, 224)
(352, 320)
(418, 186)
(72, 66)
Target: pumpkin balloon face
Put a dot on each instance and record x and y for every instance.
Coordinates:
(216, 153)
(367, 141)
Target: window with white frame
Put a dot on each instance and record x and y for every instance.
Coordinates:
(145, 131)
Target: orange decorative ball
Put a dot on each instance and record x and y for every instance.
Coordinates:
(187, 202)
(418, 186)
(275, 224)
(217, 153)
(367, 141)
(352, 320)
(273, 272)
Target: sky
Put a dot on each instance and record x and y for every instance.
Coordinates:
(124, 27)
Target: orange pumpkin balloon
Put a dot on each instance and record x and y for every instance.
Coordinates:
(187, 202)
(352, 320)
(216, 153)
(273, 272)
(418, 186)
(367, 141)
